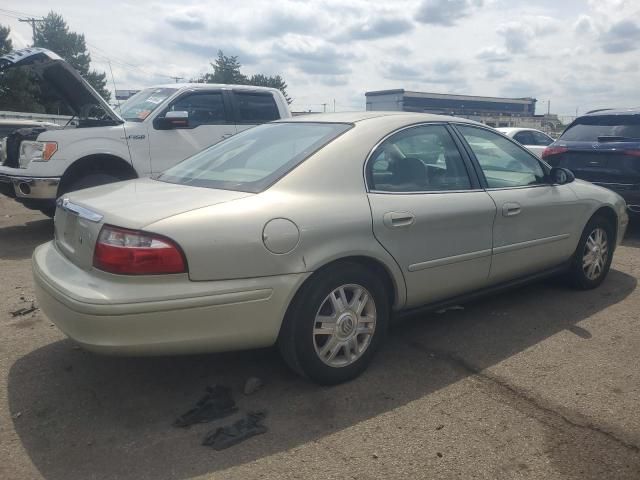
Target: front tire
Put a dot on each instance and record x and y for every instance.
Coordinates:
(335, 324)
(592, 259)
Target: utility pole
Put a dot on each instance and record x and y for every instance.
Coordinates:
(548, 107)
(334, 105)
(324, 107)
(177, 78)
(33, 22)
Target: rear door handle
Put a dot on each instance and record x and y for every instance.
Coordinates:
(510, 209)
(227, 135)
(398, 219)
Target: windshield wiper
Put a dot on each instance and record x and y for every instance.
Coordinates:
(616, 138)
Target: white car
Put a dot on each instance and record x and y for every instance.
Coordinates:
(155, 129)
(530, 138)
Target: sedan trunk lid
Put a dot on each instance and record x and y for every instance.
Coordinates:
(132, 204)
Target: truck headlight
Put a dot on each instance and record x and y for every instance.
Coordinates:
(36, 152)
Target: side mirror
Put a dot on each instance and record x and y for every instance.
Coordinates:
(173, 120)
(561, 176)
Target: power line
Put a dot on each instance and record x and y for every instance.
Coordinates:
(32, 21)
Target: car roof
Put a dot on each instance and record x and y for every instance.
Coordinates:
(612, 111)
(518, 129)
(205, 86)
(352, 117)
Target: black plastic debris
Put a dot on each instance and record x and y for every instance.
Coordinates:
(225, 437)
(24, 311)
(217, 403)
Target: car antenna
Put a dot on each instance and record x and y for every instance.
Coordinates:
(124, 128)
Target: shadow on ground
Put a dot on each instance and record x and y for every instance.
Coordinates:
(18, 241)
(632, 238)
(87, 416)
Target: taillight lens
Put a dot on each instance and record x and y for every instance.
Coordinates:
(130, 252)
(550, 151)
(633, 153)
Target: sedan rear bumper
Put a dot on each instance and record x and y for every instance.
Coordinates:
(201, 316)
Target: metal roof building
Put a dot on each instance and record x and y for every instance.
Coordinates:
(459, 105)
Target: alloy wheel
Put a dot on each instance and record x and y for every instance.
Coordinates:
(344, 325)
(595, 254)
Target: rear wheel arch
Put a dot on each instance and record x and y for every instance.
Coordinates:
(104, 164)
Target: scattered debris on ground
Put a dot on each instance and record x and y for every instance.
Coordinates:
(252, 385)
(24, 310)
(447, 309)
(216, 403)
(225, 437)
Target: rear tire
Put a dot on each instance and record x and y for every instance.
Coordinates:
(592, 259)
(335, 324)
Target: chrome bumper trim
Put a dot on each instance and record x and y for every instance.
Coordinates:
(45, 188)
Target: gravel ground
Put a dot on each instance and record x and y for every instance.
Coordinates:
(542, 382)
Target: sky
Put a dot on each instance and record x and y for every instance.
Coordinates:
(579, 55)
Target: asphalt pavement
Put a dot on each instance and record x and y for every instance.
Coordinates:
(541, 382)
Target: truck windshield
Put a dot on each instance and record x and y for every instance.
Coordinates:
(256, 158)
(138, 107)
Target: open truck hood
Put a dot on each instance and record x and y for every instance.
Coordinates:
(62, 77)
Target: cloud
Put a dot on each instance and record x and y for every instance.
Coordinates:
(313, 56)
(442, 72)
(493, 55)
(518, 35)
(495, 72)
(519, 88)
(379, 28)
(584, 25)
(279, 22)
(623, 36)
(186, 21)
(446, 12)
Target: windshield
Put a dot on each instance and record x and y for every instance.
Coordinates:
(256, 158)
(589, 129)
(138, 107)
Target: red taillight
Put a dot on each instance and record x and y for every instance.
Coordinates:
(129, 252)
(633, 153)
(550, 151)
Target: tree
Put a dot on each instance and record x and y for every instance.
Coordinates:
(53, 34)
(226, 70)
(18, 91)
(276, 81)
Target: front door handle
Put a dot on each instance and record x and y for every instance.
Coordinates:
(510, 209)
(226, 135)
(398, 219)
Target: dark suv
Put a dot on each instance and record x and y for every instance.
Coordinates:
(603, 147)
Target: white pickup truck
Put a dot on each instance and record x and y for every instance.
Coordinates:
(155, 129)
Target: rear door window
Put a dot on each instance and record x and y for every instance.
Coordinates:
(541, 139)
(603, 128)
(254, 108)
(524, 138)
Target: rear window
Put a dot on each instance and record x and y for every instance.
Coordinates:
(599, 127)
(254, 159)
(256, 107)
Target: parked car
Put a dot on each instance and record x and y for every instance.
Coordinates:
(154, 130)
(603, 147)
(310, 233)
(532, 139)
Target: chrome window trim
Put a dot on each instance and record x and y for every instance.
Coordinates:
(417, 192)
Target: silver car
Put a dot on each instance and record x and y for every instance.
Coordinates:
(311, 233)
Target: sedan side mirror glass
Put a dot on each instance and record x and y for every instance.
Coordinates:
(173, 119)
(561, 176)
